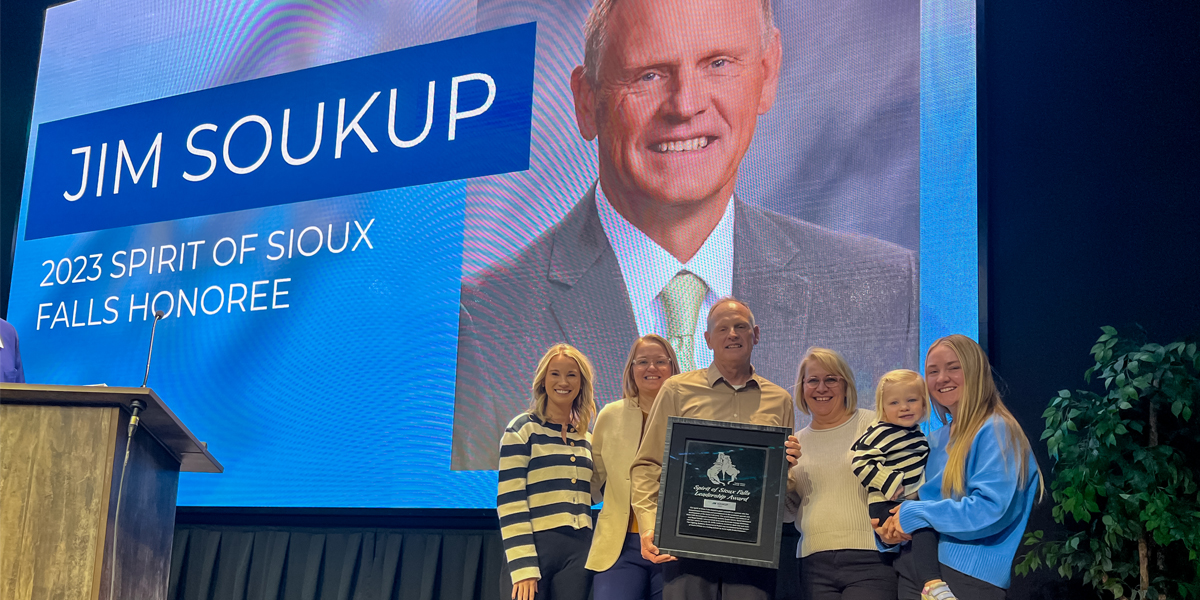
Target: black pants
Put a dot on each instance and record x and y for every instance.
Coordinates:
(692, 579)
(847, 575)
(924, 545)
(562, 553)
(787, 581)
(963, 585)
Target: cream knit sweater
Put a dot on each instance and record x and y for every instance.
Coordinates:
(832, 512)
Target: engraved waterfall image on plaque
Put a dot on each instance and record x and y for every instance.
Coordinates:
(722, 497)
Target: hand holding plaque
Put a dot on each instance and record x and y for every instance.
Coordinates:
(651, 552)
(793, 450)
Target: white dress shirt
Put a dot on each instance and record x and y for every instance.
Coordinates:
(647, 267)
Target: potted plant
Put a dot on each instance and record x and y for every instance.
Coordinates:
(1126, 473)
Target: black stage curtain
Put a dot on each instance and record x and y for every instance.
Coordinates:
(229, 562)
(214, 562)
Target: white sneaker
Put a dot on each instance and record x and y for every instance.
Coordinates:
(937, 590)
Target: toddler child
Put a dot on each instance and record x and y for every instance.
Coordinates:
(889, 460)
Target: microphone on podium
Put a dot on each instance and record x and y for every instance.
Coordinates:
(135, 409)
(158, 315)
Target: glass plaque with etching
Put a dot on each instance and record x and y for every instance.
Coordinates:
(722, 490)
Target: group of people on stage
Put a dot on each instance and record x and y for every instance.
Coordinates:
(884, 511)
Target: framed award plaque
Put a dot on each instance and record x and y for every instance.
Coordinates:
(721, 493)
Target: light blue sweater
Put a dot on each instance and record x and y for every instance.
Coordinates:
(979, 532)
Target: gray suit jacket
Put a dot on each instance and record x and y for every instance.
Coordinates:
(807, 286)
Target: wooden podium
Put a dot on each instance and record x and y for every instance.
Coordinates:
(61, 451)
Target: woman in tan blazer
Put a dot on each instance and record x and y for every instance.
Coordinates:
(616, 554)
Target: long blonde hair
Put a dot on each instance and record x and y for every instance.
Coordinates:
(900, 377)
(834, 363)
(584, 406)
(980, 400)
(628, 385)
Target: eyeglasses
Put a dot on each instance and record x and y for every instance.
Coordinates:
(644, 364)
(830, 381)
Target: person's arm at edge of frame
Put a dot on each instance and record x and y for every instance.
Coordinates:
(512, 506)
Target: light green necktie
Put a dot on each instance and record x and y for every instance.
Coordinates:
(682, 298)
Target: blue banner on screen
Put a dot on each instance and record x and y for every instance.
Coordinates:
(439, 112)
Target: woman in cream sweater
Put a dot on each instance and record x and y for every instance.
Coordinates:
(837, 551)
(616, 555)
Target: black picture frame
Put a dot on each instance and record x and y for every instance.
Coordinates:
(722, 490)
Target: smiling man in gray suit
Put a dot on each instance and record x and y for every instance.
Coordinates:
(672, 90)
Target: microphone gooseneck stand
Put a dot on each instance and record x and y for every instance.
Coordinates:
(135, 408)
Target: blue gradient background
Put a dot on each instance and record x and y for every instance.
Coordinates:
(345, 398)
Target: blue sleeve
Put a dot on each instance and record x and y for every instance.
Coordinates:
(991, 488)
(12, 349)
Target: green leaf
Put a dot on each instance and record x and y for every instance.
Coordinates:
(1109, 330)
(1177, 407)
(1124, 405)
(1117, 590)
(1120, 429)
(1111, 440)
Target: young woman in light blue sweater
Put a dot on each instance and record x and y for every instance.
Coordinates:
(980, 482)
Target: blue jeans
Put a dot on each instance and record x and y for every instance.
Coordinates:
(631, 577)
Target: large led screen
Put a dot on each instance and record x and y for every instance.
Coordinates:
(364, 223)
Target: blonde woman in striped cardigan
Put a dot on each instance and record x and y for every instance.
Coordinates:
(544, 495)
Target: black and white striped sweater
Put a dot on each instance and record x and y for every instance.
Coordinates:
(888, 458)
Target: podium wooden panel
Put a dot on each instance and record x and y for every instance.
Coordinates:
(61, 449)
